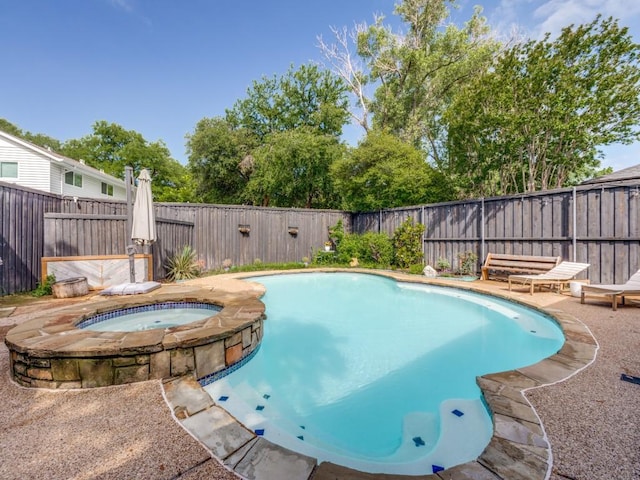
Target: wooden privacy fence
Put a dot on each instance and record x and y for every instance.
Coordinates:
(21, 235)
(244, 234)
(69, 235)
(216, 232)
(596, 224)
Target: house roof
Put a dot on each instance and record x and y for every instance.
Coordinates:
(630, 173)
(66, 161)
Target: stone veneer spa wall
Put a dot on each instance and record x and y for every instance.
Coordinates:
(49, 351)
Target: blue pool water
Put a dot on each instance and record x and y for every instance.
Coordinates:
(146, 317)
(377, 375)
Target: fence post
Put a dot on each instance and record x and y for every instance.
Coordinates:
(482, 246)
(574, 211)
(424, 235)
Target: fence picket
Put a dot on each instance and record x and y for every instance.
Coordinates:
(34, 224)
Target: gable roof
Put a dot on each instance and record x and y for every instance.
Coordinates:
(629, 173)
(61, 159)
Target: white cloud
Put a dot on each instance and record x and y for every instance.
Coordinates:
(125, 5)
(129, 7)
(553, 15)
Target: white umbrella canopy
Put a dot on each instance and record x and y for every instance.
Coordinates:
(143, 230)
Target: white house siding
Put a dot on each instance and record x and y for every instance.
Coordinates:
(57, 179)
(43, 171)
(33, 169)
(91, 186)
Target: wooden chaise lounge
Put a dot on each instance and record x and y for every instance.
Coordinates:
(558, 276)
(502, 265)
(620, 291)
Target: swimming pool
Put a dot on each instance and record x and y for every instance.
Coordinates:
(377, 375)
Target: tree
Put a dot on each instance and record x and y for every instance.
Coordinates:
(39, 139)
(536, 119)
(220, 160)
(262, 152)
(110, 148)
(415, 74)
(385, 172)
(292, 170)
(306, 97)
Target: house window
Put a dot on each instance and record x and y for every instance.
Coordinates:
(107, 189)
(73, 178)
(8, 169)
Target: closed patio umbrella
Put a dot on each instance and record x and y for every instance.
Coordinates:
(143, 231)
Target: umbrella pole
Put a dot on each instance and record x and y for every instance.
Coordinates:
(131, 249)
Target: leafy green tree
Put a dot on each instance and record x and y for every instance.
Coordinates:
(220, 160)
(274, 147)
(385, 172)
(39, 139)
(10, 128)
(415, 73)
(111, 147)
(536, 119)
(306, 97)
(292, 170)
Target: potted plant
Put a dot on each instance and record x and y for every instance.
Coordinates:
(327, 246)
(305, 260)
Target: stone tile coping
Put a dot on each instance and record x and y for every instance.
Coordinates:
(50, 351)
(518, 450)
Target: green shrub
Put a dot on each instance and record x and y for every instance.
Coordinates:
(407, 244)
(183, 265)
(373, 249)
(336, 234)
(443, 265)
(416, 269)
(467, 264)
(44, 288)
(377, 249)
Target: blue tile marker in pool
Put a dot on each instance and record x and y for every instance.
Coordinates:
(436, 468)
(259, 431)
(457, 413)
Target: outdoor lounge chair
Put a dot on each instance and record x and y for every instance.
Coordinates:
(562, 273)
(631, 288)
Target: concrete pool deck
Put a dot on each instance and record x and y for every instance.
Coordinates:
(590, 419)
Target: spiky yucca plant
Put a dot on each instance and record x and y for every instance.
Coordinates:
(183, 265)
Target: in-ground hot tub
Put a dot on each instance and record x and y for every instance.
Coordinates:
(50, 351)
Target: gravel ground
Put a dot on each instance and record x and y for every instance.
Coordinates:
(120, 432)
(592, 419)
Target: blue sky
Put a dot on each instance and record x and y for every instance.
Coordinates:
(159, 66)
